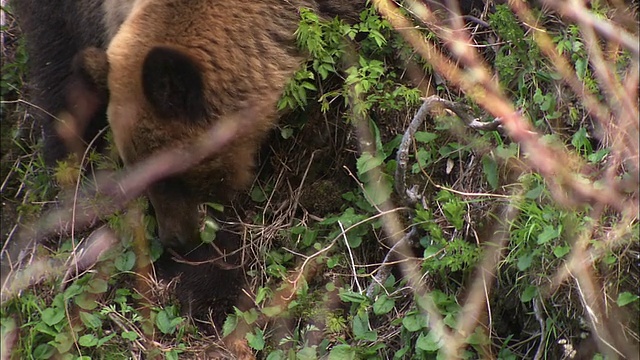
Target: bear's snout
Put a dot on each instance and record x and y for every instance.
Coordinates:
(176, 213)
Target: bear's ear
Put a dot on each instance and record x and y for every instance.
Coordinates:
(91, 65)
(86, 97)
(172, 83)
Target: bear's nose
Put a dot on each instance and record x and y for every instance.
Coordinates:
(176, 214)
(179, 228)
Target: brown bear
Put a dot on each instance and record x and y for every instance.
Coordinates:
(164, 72)
(174, 69)
(55, 31)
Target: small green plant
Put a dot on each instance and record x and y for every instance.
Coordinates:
(324, 41)
(13, 72)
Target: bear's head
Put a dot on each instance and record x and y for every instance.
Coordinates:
(174, 73)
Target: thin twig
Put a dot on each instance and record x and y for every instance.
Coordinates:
(402, 156)
(353, 263)
(383, 272)
(543, 329)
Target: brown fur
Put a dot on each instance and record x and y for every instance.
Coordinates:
(115, 13)
(219, 57)
(164, 72)
(54, 32)
(172, 70)
(169, 70)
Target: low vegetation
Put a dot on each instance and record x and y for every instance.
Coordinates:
(384, 222)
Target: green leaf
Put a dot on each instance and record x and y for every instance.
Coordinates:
(529, 293)
(450, 320)
(167, 322)
(610, 258)
(43, 351)
(506, 354)
(391, 145)
(215, 206)
(431, 251)
(454, 212)
(580, 140)
(41, 327)
(378, 140)
(367, 161)
(424, 159)
(256, 341)
(414, 322)
(106, 339)
(378, 190)
(524, 262)
(272, 311)
(361, 328)
(307, 353)
(155, 250)
(171, 355)
(262, 294)
(258, 195)
(441, 299)
(72, 291)
(90, 320)
(401, 353)
(547, 103)
(562, 250)
(342, 352)
(52, 316)
(208, 233)
(626, 298)
(581, 68)
(549, 233)
(506, 152)
(598, 156)
(490, 168)
(333, 261)
(86, 301)
(97, 286)
(425, 137)
(431, 342)
(383, 305)
(126, 261)
(250, 316)
(309, 86)
(88, 340)
(286, 132)
(534, 193)
(353, 297)
(229, 325)
(309, 237)
(478, 338)
(354, 241)
(163, 323)
(276, 355)
(63, 343)
(129, 335)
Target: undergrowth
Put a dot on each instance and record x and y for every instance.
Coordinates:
(318, 239)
